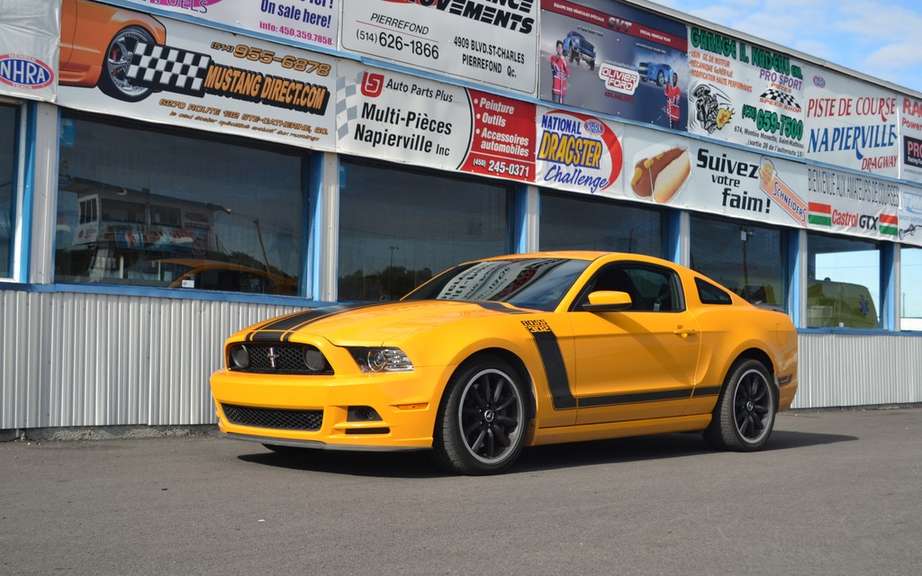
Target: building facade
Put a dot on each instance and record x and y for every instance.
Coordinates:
(172, 172)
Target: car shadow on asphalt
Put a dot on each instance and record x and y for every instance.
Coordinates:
(421, 464)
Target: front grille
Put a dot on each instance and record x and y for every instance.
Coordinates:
(273, 417)
(289, 359)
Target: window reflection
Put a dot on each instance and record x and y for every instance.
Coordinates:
(746, 258)
(843, 288)
(911, 288)
(137, 205)
(399, 226)
(575, 222)
(8, 141)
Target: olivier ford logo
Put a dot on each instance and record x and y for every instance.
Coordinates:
(372, 84)
(24, 72)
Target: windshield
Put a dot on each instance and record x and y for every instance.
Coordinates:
(538, 283)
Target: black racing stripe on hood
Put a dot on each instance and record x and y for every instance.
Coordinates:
(497, 307)
(282, 329)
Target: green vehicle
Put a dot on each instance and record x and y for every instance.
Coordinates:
(840, 305)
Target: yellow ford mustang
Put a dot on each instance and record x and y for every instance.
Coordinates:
(494, 355)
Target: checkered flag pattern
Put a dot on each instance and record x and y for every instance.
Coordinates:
(782, 98)
(166, 68)
(347, 103)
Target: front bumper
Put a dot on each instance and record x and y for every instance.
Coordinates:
(407, 403)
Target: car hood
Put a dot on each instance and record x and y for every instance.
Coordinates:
(374, 324)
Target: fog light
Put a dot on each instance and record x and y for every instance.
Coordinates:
(314, 360)
(362, 414)
(240, 357)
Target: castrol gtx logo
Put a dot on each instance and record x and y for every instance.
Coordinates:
(25, 72)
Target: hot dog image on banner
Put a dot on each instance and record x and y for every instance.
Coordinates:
(402, 118)
(742, 93)
(483, 41)
(712, 178)
(615, 59)
(124, 62)
(311, 23)
(578, 152)
(851, 123)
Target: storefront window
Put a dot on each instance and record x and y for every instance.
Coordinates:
(574, 222)
(398, 226)
(9, 117)
(143, 205)
(843, 289)
(746, 258)
(911, 288)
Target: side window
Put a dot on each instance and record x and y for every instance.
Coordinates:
(710, 294)
(652, 288)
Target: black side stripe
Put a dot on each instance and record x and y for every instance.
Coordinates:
(707, 391)
(497, 307)
(633, 398)
(551, 357)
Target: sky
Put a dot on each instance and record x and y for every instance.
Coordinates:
(877, 38)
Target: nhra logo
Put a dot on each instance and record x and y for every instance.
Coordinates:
(24, 72)
(593, 126)
(372, 84)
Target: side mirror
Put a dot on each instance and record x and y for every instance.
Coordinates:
(607, 301)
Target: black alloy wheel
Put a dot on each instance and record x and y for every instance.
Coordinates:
(483, 420)
(745, 413)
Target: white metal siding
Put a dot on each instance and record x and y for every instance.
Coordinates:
(95, 360)
(91, 360)
(845, 370)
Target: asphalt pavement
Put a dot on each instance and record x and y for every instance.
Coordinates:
(837, 493)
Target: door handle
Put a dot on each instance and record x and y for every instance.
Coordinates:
(684, 332)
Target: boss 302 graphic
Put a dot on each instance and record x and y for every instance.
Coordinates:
(494, 355)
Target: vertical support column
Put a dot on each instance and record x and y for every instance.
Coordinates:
(40, 198)
(796, 304)
(890, 286)
(526, 215)
(323, 246)
(678, 237)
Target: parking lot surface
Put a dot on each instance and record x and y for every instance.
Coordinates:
(836, 493)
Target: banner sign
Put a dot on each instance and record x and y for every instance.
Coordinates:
(29, 31)
(711, 178)
(745, 94)
(911, 216)
(615, 59)
(201, 78)
(578, 152)
(853, 204)
(911, 132)
(402, 118)
(851, 123)
(478, 40)
(311, 23)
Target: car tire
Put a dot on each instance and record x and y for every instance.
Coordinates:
(592, 64)
(744, 417)
(483, 419)
(113, 79)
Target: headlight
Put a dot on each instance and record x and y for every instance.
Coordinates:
(240, 357)
(381, 359)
